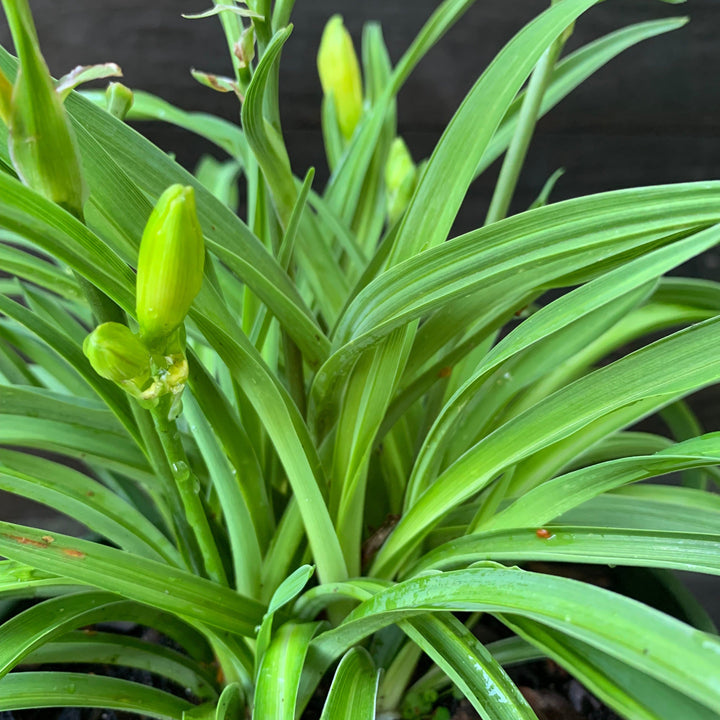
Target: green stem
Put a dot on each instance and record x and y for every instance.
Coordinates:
(170, 505)
(188, 489)
(517, 151)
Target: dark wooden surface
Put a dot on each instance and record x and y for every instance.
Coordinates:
(651, 116)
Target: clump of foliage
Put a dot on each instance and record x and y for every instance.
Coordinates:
(314, 446)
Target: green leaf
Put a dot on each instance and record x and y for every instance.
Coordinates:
(85, 500)
(116, 649)
(146, 581)
(569, 490)
(72, 426)
(266, 146)
(29, 629)
(691, 551)
(661, 372)
(551, 241)
(241, 531)
(292, 442)
(291, 587)
(56, 689)
(230, 704)
(656, 644)
(452, 166)
(624, 689)
(58, 233)
(354, 688)
(571, 72)
(30, 267)
(650, 507)
(470, 666)
(287, 591)
(279, 673)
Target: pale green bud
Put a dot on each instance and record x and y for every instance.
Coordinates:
(117, 354)
(340, 77)
(119, 100)
(400, 179)
(42, 144)
(170, 265)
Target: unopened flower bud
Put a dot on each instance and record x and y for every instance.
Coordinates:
(42, 144)
(119, 100)
(339, 72)
(170, 265)
(400, 179)
(117, 354)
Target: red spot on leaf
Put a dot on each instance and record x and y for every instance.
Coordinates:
(73, 553)
(28, 541)
(543, 533)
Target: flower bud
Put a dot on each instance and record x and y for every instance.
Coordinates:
(170, 265)
(42, 144)
(119, 100)
(339, 72)
(400, 179)
(117, 354)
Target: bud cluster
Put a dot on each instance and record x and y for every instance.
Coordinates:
(151, 363)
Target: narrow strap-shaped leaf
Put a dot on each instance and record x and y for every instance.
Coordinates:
(24, 690)
(566, 491)
(572, 71)
(72, 354)
(58, 233)
(644, 638)
(649, 507)
(624, 689)
(39, 624)
(44, 419)
(109, 451)
(241, 531)
(354, 688)
(238, 448)
(691, 551)
(269, 151)
(279, 673)
(470, 666)
(421, 282)
(684, 424)
(23, 264)
(78, 496)
(115, 649)
(291, 439)
(44, 366)
(147, 106)
(452, 166)
(488, 260)
(162, 586)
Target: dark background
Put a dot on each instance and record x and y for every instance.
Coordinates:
(651, 116)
